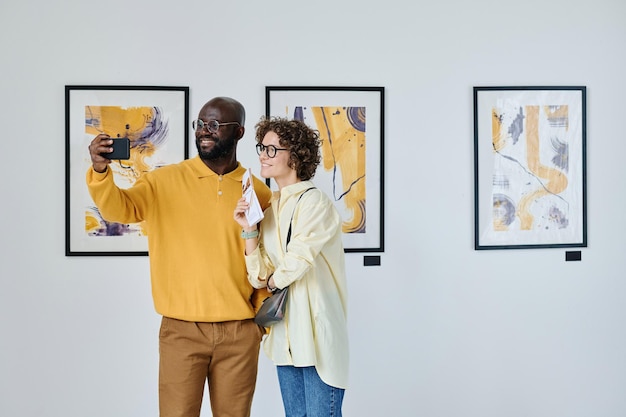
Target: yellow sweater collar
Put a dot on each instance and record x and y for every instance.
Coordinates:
(202, 170)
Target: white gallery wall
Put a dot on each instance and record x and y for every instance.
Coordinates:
(438, 329)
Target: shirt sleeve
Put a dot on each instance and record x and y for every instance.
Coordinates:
(259, 268)
(116, 204)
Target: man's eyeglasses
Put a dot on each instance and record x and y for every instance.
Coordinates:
(270, 150)
(212, 125)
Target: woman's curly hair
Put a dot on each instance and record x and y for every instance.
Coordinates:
(302, 141)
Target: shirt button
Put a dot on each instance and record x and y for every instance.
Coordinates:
(219, 192)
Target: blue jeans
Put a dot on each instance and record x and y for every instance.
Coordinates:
(306, 395)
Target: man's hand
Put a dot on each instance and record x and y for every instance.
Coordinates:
(101, 144)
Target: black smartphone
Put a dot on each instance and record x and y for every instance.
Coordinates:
(121, 149)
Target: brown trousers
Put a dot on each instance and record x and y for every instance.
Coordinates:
(224, 354)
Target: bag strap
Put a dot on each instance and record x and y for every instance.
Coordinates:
(294, 212)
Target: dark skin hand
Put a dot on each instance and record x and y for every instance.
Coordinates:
(100, 144)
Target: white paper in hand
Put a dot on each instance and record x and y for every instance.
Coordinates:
(254, 214)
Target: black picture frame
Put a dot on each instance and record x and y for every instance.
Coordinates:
(530, 167)
(354, 116)
(155, 118)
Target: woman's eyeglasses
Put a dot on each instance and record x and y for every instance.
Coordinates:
(270, 150)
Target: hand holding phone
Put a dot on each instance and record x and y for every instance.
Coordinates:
(121, 149)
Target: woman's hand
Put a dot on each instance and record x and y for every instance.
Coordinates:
(270, 284)
(240, 214)
(249, 233)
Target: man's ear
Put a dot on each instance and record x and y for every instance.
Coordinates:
(240, 131)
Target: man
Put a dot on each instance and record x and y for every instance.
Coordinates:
(198, 272)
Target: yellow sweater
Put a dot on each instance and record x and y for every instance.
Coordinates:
(197, 266)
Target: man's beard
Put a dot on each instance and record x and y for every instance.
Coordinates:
(221, 148)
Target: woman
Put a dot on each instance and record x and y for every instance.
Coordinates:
(310, 346)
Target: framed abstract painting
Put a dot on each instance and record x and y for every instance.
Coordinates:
(530, 167)
(156, 122)
(350, 121)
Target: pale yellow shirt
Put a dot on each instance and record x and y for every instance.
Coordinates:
(314, 331)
